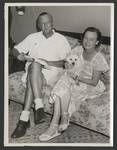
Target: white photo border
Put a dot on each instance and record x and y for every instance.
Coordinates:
(6, 81)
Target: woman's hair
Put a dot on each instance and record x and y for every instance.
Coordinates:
(93, 29)
(42, 14)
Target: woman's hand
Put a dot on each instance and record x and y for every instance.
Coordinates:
(68, 65)
(74, 77)
(77, 80)
(71, 74)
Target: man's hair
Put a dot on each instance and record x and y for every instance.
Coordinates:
(93, 29)
(42, 14)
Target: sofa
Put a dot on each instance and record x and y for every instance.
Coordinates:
(93, 113)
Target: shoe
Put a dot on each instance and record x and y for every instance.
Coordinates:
(20, 129)
(49, 135)
(39, 116)
(64, 122)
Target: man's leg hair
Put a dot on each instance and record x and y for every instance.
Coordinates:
(36, 79)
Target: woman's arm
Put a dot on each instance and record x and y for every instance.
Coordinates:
(93, 81)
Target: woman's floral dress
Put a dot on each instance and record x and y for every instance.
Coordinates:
(66, 88)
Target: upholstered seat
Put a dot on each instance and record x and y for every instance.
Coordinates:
(91, 113)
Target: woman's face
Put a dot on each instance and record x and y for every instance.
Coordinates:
(90, 40)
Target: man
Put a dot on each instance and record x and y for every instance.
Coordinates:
(51, 47)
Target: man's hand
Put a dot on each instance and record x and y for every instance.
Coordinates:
(23, 57)
(43, 62)
(28, 58)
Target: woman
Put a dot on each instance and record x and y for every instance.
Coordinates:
(88, 83)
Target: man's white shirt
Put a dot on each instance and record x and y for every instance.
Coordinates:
(53, 48)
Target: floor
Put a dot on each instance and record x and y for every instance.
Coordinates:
(74, 133)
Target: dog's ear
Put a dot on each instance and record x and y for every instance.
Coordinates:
(75, 53)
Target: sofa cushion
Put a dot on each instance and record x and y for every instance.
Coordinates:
(94, 113)
(73, 41)
(16, 87)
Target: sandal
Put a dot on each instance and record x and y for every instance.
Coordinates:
(51, 133)
(64, 122)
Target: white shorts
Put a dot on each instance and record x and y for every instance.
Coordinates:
(52, 75)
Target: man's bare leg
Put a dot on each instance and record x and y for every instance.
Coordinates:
(33, 90)
(36, 80)
(28, 96)
(24, 117)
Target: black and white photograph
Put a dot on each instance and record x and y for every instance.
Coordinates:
(58, 74)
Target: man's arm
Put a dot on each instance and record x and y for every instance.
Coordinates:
(19, 56)
(59, 63)
(22, 57)
(15, 52)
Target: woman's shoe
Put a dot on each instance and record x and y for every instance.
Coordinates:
(64, 122)
(51, 133)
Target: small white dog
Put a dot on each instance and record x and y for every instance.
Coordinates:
(73, 64)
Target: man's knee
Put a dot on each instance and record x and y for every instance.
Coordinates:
(34, 68)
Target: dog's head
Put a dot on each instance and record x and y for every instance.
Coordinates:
(72, 59)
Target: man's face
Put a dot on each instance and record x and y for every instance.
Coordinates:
(46, 24)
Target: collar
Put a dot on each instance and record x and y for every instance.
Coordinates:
(50, 36)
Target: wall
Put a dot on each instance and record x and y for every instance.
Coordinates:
(66, 18)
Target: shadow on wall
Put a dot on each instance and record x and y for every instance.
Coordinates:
(66, 18)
